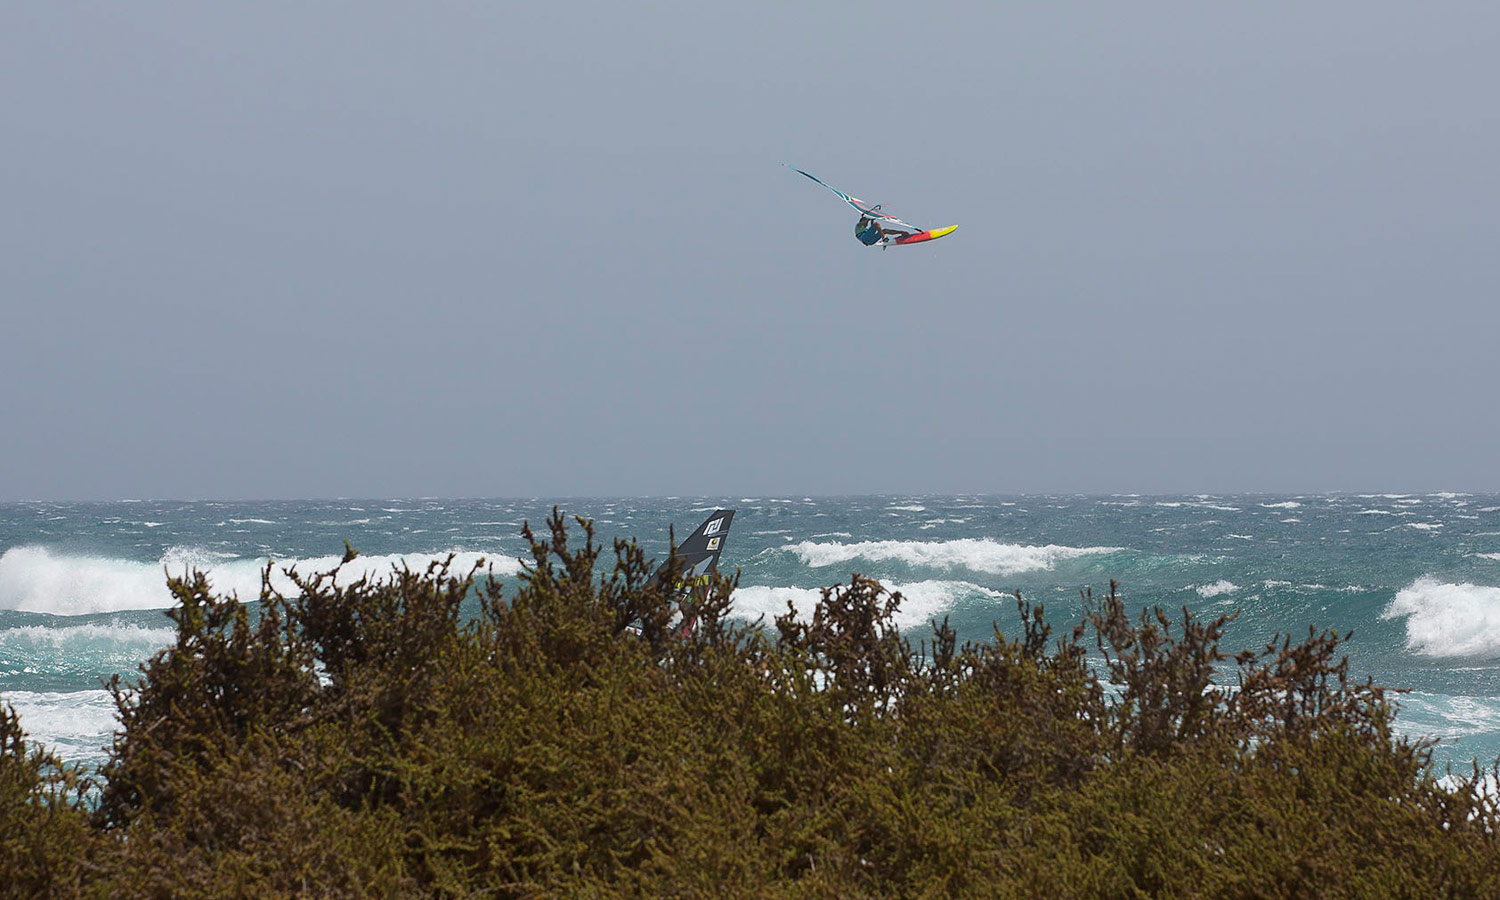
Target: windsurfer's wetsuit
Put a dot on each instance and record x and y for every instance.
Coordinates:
(868, 231)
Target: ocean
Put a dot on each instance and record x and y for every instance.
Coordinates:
(1415, 578)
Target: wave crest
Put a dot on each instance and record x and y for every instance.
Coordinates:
(34, 579)
(1448, 620)
(974, 554)
(922, 600)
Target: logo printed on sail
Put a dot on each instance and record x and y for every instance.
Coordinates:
(713, 543)
(713, 527)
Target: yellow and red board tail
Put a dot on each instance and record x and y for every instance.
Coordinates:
(930, 235)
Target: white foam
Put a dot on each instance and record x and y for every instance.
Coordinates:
(1285, 504)
(76, 640)
(921, 601)
(976, 555)
(1217, 588)
(1445, 716)
(49, 713)
(77, 725)
(1448, 620)
(1425, 526)
(1488, 784)
(34, 579)
(1494, 556)
(914, 507)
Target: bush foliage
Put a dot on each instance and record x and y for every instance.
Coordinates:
(372, 740)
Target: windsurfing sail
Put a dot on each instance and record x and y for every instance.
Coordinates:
(865, 209)
(696, 559)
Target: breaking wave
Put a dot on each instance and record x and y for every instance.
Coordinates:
(34, 579)
(1448, 620)
(921, 601)
(976, 555)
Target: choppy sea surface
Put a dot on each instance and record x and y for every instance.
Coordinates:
(1416, 578)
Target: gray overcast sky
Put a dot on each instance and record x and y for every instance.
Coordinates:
(280, 249)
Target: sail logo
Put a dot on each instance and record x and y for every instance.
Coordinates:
(713, 527)
(713, 543)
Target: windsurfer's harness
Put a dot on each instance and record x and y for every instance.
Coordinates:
(868, 232)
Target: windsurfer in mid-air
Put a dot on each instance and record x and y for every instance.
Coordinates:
(870, 232)
(877, 228)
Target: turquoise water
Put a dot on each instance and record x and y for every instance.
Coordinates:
(1416, 578)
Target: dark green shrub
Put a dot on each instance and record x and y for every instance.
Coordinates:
(45, 840)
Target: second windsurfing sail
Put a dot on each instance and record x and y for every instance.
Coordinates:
(697, 557)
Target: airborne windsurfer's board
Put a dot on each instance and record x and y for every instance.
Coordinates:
(929, 235)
